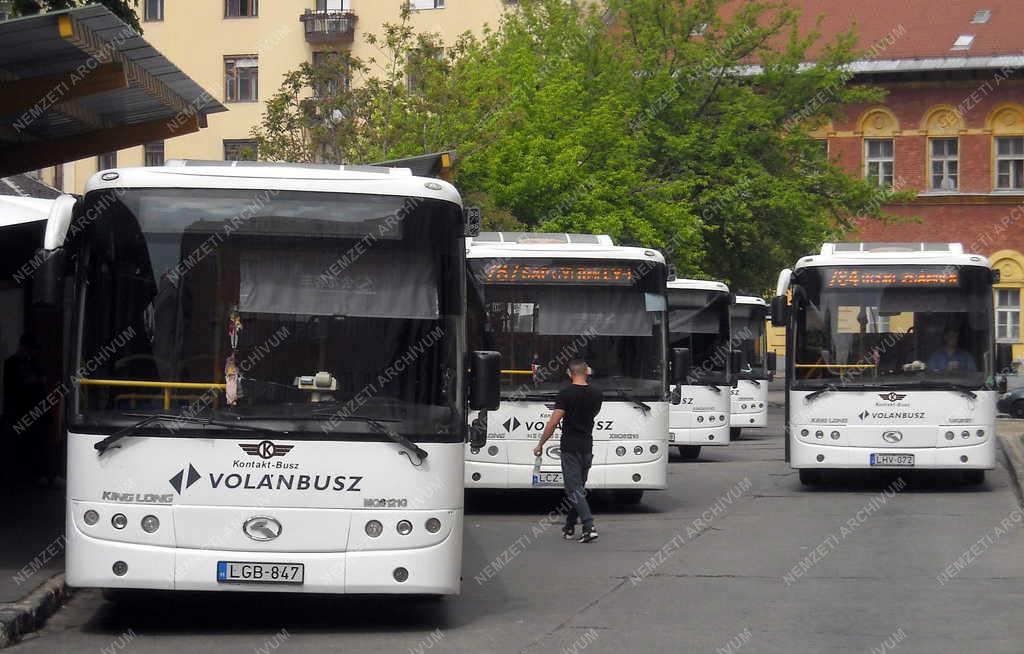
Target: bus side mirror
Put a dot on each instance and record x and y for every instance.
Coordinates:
(680, 364)
(771, 363)
(780, 311)
(484, 380)
(735, 365)
(48, 279)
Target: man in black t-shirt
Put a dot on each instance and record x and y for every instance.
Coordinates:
(576, 406)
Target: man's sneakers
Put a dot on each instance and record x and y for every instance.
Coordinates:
(589, 535)
(569, 533)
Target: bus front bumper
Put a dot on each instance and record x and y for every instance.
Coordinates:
(432, 570)
(652, 475)
(717, 435)
(980, 456)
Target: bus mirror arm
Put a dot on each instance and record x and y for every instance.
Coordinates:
(677, 394)
(478, 431)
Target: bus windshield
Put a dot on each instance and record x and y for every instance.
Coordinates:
(748, 336)
(230, 302)
(541, 313)
(899, 326)
(699, 320)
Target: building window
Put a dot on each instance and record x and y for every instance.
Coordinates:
(106, 160)
(153, 10)
(239, 150)
(1008, 315)
(1009, 163)
(426, 4)
(154, 153)
(241, 78)
(241, 8)
(332, 5)
(878, 161)
(945, 164)
(333, 86)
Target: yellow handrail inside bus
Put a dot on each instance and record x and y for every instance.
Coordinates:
(517, 372)
(835, 365)
(165, 386)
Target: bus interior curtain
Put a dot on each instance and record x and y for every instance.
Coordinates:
(311, 282)
(607, 311)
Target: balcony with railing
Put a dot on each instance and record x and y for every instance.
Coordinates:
(329, 25)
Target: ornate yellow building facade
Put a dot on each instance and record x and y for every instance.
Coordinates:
(240, 50)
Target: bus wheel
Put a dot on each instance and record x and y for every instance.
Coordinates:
(973, 477)
(811, 476)
(734, 433)
(629, 496)
(689, 452)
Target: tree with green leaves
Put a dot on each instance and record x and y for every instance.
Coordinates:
(664, 123)
(123, 9)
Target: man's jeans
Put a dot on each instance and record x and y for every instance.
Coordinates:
(575, 467)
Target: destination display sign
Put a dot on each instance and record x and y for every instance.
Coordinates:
(879, 277)
(558, 273)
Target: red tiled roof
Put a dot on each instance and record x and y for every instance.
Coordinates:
(919, 28)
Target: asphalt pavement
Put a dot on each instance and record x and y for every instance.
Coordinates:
(735, 556)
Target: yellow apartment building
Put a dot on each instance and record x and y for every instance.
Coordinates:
(240, 50)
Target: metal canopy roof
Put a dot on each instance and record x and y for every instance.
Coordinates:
(80, 82)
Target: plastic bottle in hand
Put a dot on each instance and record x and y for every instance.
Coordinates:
(536, 470)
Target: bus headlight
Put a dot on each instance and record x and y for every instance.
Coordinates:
(981, 433)
(120, 521)
(374, 529)
(700, 418)
(638, 450)
(819, 434)
(654, 449)
(620, 450)
(804, 432)
(404, 527)
(965, 434)
(150, 524)
(493, 450)
(950, 435)
(91, 517)
(834, 435)
(433, 525)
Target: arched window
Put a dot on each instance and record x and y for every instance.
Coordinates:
(878, 127)
(1007, 125)
(943, 125)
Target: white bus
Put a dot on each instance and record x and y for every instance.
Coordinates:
(699, 322)
(890, 359)
(757, 367)
(269, 379)
(550, 298)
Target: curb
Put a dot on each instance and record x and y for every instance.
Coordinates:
(30, 613)
(1013, 448)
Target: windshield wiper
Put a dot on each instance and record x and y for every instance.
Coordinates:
(844, 387)
(109, 441)
(940, 385)
(377, 425)
(626, 395)
(536, 397)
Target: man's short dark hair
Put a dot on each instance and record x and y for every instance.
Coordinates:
(578, 367)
